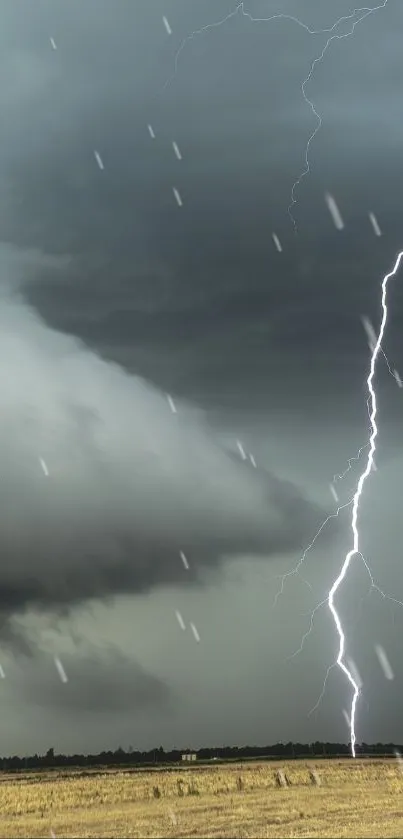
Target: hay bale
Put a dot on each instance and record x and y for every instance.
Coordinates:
(315, 778)
(281, 779)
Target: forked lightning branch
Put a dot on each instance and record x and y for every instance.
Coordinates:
(332, 33)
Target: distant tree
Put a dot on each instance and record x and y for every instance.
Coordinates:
(119, 757)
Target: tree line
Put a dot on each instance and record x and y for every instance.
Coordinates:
(158, 756)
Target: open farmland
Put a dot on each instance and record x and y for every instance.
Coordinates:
(356, 799)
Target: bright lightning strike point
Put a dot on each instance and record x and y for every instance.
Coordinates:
(356, 502)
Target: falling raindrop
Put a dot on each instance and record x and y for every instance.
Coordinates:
(334, 211)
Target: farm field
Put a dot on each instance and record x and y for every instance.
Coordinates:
(360, 798)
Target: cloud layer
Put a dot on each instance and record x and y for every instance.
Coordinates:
(102, 485)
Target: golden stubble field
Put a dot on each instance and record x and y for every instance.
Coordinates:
(356, 799)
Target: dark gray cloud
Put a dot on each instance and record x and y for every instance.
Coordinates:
(94, 681)
(209, 315)
(107, 684)
(129, 484)
(195, 301)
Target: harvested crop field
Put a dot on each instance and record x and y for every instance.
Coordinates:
(360, 798)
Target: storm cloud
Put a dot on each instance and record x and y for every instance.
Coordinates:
(112, 296)
(96, 683)
(102, 485)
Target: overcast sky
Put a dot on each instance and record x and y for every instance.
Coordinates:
(113, 296)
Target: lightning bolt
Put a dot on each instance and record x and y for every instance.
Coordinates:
(356, 457)
(356, 16)
(309, 102)
(355, 550)
(356, 501)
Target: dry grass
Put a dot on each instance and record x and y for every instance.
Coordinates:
(359, 798)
